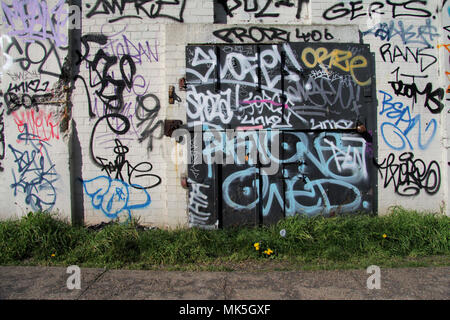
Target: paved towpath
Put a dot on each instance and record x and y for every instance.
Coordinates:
(51, 283)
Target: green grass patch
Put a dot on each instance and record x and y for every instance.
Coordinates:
(402, 238)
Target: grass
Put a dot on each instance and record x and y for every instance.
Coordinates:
(356, 241)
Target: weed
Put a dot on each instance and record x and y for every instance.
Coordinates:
(317, 242)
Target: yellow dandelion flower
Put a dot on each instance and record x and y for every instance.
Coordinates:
(268, 252)
(384, 236)
(256, 245)
(53, 254)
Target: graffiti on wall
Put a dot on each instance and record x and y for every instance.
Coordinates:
(242, 34)
(113, 197)
(399, 125)
(446, 48)
(150, 9)
(41, 125)
(35, 37)
(119, 99)
(423, 57)
(409, 175)
(118, 94)
(408, 33)
(413, 46)
(113, 94)
(141, 171)
(2, 136)
(38, 58)
(30, 21)
(35, 59)
(313, 168)
(198, 204)
(315, 92)
(262, 8)
(402, 41)
(432, 98)
(34, 174)
(356, 9)
(313, 79)
(109, 89)
(112, 193)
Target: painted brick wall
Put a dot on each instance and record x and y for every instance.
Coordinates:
(105, 156)
(35, 171)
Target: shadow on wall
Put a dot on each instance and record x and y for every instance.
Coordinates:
(76, 164)
(75, 154)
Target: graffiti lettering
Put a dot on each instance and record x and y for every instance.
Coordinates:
(43, 54)
(417, 54)
(343, 60)
(35, 174)
(121, 127)
(261, 34)
(332, 124)
(31, 20)
(41, 125)
(139, 172)
(357, 9)
(264, 8)
(115, 99)
(241, 73)
(314, 35)
(198, 204)
(147, 114)
(411, 91)
(14, 102)
(29, 86)
(2, 138)
(311, 92)
(120, 45)
(396, 131)
(298, 194)
(410, 176)
(255, 34)
(24, 75)
(423, 35)
(113, 197)
(152, 9)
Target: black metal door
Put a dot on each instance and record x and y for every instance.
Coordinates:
(313, 102)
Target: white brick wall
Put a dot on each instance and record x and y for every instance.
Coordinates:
(387, 197)
(167, 39)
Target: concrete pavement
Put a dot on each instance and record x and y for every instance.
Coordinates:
(50, 283)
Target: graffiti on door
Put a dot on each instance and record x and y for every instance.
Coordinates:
(307, 108)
